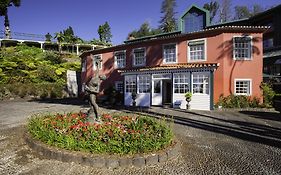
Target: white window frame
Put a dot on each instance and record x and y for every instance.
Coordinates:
(249, 52)
(176, 53)
(93, 56)
(205, 50)
(243, 79)
(118, 83)
(132, 83)
(115, 59)
(134, 57)
(142, 84)
(181, 83)
(204, 84)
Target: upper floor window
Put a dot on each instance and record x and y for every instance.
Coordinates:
(120, 59)
(169, 53)
(139, 57)
(97, 62)
(197, 50)
(242, 48)
(193, 21)
(242, 87)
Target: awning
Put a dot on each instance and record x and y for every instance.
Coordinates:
(278, 61)
(181, 67)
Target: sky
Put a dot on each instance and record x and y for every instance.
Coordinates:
(123, 16)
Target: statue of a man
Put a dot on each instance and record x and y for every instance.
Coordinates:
(93, 88)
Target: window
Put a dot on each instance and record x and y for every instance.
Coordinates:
(268, 43)
(200, 83)
(169, 53)
(97, 60)
(119, 86)
(197, 50)
(139, 57)
(193, 21)
(144, 83)
(242, 48)
(157, 86)
(120, 59)
(84, 65)
(130, 83)
(181, 83)
(243, 86)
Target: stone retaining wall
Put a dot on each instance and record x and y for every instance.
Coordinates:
(101, 160)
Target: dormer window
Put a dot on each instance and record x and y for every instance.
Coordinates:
(194, 19)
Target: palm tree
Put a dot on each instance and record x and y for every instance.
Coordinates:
(4, 5)
(60, 38)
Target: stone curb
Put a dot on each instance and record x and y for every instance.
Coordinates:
(104, 161)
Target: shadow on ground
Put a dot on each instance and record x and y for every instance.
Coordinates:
(275, 116)
(64, 101)
(248, 131)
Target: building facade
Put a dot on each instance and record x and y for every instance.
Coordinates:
(161, 69)
(271, 39)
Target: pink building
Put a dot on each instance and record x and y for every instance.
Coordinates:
(204, 60)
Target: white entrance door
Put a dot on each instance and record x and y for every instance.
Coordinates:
(157, 92)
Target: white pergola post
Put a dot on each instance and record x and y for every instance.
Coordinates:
(42, 45)
(93, 47)
(77, 49)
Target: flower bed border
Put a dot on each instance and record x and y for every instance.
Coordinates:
(103, 160)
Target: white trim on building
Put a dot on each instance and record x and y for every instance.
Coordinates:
(165, 61)
(242, 86)
(194, 43)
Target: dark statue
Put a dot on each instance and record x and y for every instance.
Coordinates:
(92, 88)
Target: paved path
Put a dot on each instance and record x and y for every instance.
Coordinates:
(212, 142)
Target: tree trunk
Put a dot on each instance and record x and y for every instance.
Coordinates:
(7, 26)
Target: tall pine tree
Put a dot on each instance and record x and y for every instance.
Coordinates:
(168, 20)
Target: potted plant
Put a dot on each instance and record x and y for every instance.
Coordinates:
(134, 97)
(188, 96)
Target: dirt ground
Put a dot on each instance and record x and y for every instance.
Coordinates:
(212, 142)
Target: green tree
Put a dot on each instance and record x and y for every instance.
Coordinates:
(212, 7)
(225, 10)
(168, 20)
(257, 9)
(60, 38)
(4, 5)
(48, 37)
(245, 12)
(104, 32)
(144, 30)
(242, 12)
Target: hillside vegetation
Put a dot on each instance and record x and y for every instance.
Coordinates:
(30, 71)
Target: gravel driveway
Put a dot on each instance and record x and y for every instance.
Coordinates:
(213, 142)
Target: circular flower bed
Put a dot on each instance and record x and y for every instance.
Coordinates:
(117, 134)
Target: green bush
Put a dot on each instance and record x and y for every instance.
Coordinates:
(23, 64)
(238, 101)
(117, 134)
(268, 94)
(43, 90)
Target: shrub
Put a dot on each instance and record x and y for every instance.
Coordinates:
(43, 90)
(238, 101)
(268, 94)
(118, 134)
